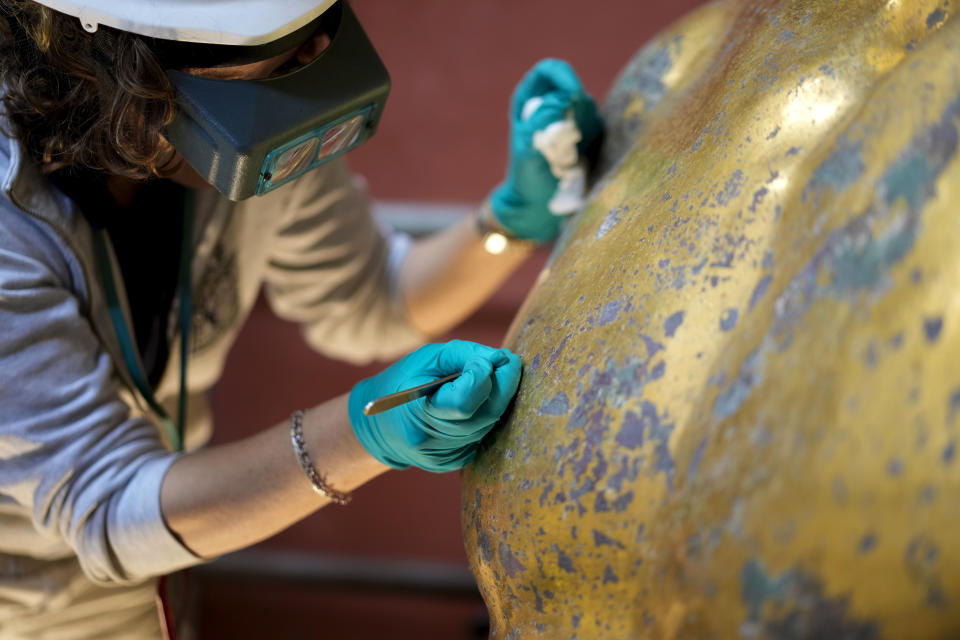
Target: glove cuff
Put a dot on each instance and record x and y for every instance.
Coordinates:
(496, 238)
(366, 431)
(503, 206)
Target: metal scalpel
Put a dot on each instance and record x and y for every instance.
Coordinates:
(402, 397)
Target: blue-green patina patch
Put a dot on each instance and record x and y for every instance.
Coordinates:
(793, 605)
(749, 376)
(842, 168)
(861, 263)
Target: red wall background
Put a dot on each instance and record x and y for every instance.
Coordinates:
(443, 138)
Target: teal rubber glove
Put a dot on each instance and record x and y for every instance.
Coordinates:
(440, 432)
(520, 202)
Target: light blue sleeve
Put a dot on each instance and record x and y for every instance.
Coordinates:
(74, 461)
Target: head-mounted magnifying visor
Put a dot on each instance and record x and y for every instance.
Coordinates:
(248, 137)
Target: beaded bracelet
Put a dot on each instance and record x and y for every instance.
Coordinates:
(317, 481)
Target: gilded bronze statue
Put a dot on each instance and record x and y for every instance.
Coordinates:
(740, 410)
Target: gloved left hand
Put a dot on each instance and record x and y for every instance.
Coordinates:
(521, 203)
(440, 432)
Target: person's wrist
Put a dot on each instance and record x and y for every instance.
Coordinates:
(494, 236)
(318, 480)
(365, 428)
(329, 444)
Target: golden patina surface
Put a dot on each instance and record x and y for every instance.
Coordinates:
(740, 409)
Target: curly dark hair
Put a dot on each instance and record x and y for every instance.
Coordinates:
(86, 100)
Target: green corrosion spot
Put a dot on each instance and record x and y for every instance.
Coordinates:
(864, 263)
(908, 179)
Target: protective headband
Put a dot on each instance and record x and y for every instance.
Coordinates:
(248, 137)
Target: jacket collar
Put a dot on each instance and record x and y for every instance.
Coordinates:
(24, 184)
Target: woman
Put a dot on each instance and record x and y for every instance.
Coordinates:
(108, 239)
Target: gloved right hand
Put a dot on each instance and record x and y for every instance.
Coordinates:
(440, 432)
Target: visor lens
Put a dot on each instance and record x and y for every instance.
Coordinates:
(306, 152)
(340, 137)
(292, 162)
